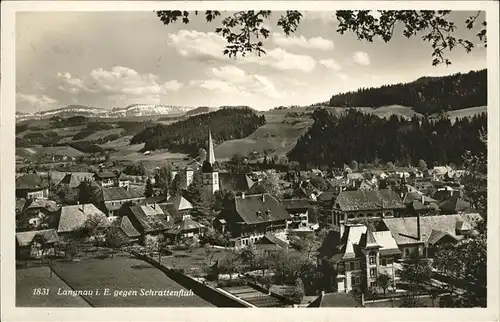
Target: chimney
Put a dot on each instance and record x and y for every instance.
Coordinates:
(423, 199)
(418, 225)
(322, 293)
(263, 198)
(242, 195)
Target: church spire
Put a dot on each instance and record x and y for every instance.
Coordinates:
(210, 152)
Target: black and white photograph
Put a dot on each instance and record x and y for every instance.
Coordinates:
(239, 158)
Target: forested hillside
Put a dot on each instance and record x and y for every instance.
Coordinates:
(334, 139)
(189, 135)
(427, 95)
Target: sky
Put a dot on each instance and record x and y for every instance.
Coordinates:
(114, 59)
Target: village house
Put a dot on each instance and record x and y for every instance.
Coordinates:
(124, 226)
(353, 260)
(35, 214)
(236, 182)
(71, 218)
(110, 200)
(420, 235)
(36, 243)
(105, 178)
(149, 220)
(353, 206)
(299, 212)
(186, 227)
(31, 186)
(73, 179)
(249, 218)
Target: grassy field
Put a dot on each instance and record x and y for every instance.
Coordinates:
(467, 112)
(193, 261)
(123, 274)
(29, 279)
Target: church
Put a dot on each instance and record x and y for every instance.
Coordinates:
(209, 173)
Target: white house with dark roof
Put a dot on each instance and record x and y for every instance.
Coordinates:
(299, 211)
(110, 200)
(29, 243)
(353, 260)
(31, 186)
(250, 217)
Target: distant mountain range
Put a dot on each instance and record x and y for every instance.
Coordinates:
(88, 111)
(135, 110)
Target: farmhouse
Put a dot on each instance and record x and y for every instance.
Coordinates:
(149, 220)
(105, 178)
(299, 211)
(31, 186)
(72, 180)
(110, 200)
(249, 218)
(70, 218)
(33, 244)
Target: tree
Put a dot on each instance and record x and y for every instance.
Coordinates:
(416, 273)
(244, 30)
(270, 185)
(155, 244)
(354, 165)
(384, 281)
(298, 290)
(202, 154)
(229, 265)
(390, 166)
(95, 228)
(422, 165)
(148, 191)
(261, 262)
(175, 188)
(86, 192)
(115, 239)
(411, 300)
(308, 244)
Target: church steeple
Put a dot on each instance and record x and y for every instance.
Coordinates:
(210, 154)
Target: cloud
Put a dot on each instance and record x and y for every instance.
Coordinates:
(361, 58)
(300, 41)
(325, 17)
(36, 101)
(118, 81)
(196, 44)
(331, 64)
(209, 46)
(342, 76)
(233, 80)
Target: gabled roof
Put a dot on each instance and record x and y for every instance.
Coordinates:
(74, 179)
(237, 182)
(454, 204)
(270, 238)
(327, 196)
(48, 205)
(416, 196)
(117, 193)
(260, 208)
(150, 219)
(180, 203)
(73, 217)
(404, 229)
(368, 200)
(185, 225)
(26, 238)
(30, 181)
(437, 235)
(127, 228)
(296, 204)
(387, 243)
(335, 300)
(105, 175)
(352, 239)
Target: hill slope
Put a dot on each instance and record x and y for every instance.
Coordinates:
(427, 95)
(187, 136)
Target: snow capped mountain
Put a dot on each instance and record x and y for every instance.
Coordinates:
(129, 111)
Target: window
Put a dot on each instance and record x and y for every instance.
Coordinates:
(389, 261)
(383, 262)
(352, 266)
(373, 272)
(372, 259)
(354, 280)
(373, 284)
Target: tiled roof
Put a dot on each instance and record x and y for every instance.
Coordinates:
(20, 203)
(105, 175)
(404, 229)
(118, 193)
(386, 242)
(237, 182)
(369, 200)
(25, 238)
(260, 208)
(413, 196)
(48, 205)
(335, 300)
(30, 181)
(75, 178)
(327, 196)
(270, 238)
(127, 228)
(187, 224)
(73, 217)
(454, 204)
(436, 236)
(291, 204)
(352, 239)
(149, 218)
(180, 203)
